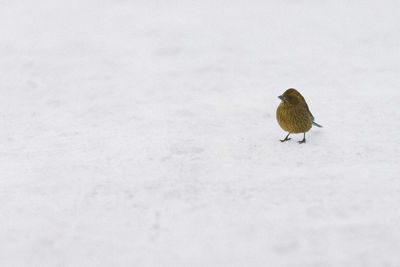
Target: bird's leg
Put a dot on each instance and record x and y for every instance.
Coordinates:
(304, 139)
(286, 138)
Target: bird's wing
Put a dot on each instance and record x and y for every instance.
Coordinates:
(312, 117)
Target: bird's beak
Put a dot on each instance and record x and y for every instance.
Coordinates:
(281, 97)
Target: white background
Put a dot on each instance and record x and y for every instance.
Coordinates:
(143, 133)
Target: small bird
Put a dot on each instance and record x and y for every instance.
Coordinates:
(293, 114)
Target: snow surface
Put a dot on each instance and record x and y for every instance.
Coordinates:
(143, 133)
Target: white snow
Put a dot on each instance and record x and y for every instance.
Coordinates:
(143, 133)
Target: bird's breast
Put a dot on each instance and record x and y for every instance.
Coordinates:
(293, 118)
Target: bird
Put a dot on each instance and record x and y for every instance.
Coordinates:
(293, 114)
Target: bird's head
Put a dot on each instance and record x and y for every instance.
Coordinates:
(291, 96)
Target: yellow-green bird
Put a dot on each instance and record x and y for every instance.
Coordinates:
(293, 114)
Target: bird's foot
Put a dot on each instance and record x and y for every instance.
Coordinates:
(302, 141)
(284, 140)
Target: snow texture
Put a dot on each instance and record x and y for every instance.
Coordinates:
(143, 133)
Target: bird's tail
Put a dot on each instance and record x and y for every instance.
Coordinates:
(316, 124)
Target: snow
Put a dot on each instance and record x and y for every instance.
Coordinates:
(143, 133)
